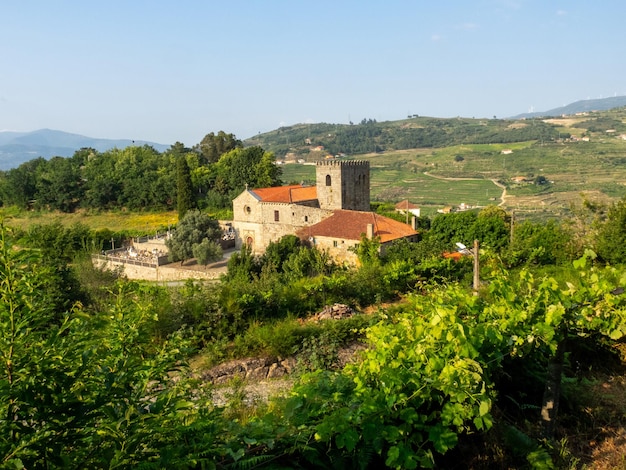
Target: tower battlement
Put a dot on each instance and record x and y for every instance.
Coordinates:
(343, 163)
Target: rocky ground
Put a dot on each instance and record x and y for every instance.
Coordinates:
(262, 377)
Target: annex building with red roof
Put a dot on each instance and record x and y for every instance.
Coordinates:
(406, 207)
(331, 215)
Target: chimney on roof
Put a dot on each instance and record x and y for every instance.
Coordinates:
(414, 223)
(370, 231)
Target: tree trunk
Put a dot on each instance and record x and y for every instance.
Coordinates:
(552, 392)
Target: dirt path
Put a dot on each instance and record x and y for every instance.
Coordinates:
(503, 195)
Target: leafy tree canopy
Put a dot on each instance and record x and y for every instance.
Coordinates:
(207, 251)
(191, 230)
(451, 228)
(178, 148)
(539, 244)
(491, 226)
(251, 166)
(59, 185)
(86, 390)
(18, 186)
(212, 146)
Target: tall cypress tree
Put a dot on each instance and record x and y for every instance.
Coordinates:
(185, 199)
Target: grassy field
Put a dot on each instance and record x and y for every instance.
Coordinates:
(146, 222)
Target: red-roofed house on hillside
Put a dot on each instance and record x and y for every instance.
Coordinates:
(406, 207)
(343, 229)
(332, 214)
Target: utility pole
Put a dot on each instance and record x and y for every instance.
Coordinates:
(407, 212)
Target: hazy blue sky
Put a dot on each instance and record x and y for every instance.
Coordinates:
(168, 71)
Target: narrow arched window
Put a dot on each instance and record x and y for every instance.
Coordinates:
(328, 180)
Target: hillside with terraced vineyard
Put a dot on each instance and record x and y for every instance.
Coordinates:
(548, 165)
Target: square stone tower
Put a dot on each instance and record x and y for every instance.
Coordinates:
(343, 185)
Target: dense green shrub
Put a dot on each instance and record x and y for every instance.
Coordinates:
(429, 374)
(611, 235)
(539, 244)
(90, 390)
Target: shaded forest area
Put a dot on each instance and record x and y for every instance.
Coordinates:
(140, 178)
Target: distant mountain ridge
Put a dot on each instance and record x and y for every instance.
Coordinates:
(19, 147)
(582, 106)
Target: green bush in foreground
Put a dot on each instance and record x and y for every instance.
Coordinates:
(98, 389)
(92, 390)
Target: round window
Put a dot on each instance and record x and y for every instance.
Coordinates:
(247, 209)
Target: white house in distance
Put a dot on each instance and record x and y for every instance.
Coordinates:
(331, 215)
(406, 207)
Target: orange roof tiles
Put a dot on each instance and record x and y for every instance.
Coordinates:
(455, 255)
(288, 194)
(406, 205)
(349, 225)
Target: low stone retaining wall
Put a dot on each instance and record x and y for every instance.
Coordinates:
(262, 368)
(149, 272)
(254, 369)
(333, 312)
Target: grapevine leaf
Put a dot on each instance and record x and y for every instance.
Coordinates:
(443, 438)
(484, 407)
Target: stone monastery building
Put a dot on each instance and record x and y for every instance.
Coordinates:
(331, 215)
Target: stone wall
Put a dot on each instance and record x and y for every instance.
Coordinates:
(167, 273)
(256, 221)
(264, 368)
(250, 369)
(343, 185)
(150, 244)
(340, 185)
(261, 368)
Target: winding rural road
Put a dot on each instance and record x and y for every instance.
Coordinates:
(503, 195)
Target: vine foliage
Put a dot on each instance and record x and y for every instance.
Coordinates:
(428, 376)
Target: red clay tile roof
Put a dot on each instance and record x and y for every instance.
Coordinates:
(455, 255)
(349, 225)
(406, 205)
(293, 193)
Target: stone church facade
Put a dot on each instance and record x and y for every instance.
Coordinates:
(332, 214)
